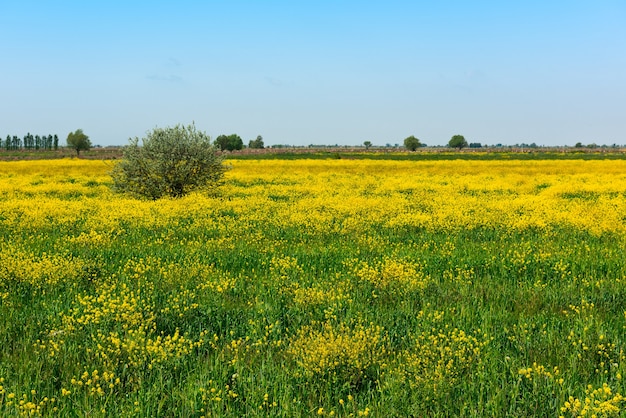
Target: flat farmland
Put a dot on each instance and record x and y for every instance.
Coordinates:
(316, 287)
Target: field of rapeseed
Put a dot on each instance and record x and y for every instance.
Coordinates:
(316, 287)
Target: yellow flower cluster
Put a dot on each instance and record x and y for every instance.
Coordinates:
(537, 371)
(584, 311)
(212, 279)
(40, 272)
(93, 239)
(322, 294)
(287, 274)
(391, 275)
(336, 196)
(459, 275)
(439, 357)
(338, 351)
(95, 383)
(600, 402)
(29, 404)
(119, 326)
(285, 269)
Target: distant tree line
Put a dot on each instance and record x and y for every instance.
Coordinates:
(234, 142)
(30, 142)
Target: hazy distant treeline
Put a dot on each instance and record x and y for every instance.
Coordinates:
(30, 142)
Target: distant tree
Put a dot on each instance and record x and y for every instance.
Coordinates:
(170, 162)
(221, 142)
(55, 142)
(475, 145)
(411, 143)
(367, 144)
(229, 142)
(37, 142)
(7, 143)
(257, 143)
(457, 141)
(17, 142)
(236, 143)
(578, 145)
(78, 141)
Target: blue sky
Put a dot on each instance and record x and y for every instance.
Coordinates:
(317, 72)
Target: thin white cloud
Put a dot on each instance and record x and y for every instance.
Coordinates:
(274, 82)
(165, 78)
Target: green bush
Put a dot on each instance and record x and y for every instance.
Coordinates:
(78, 141)
(170, 162)
(411, 143)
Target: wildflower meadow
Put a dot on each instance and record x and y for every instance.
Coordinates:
(316, 287)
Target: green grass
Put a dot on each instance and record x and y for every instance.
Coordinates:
(518, 303)
(554, 298)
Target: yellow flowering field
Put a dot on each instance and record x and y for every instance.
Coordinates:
(330, 287)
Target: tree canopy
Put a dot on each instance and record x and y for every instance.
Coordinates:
(256, 143)
(170, 162)
(78, 141)
(457, 141)
(229, 142)
(412, 143)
